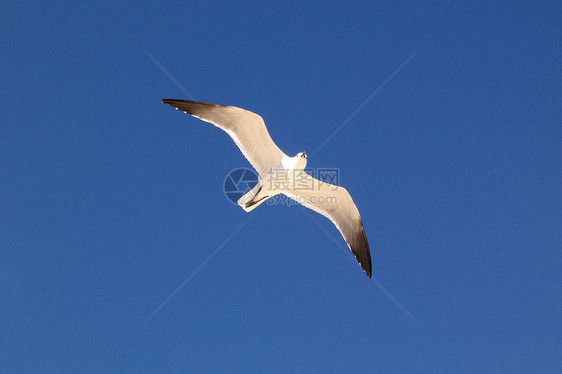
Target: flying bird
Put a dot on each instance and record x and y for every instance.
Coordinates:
(281, 174)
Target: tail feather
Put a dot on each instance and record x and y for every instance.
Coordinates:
(253, 198)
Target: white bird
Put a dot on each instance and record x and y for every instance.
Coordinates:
(279, 173)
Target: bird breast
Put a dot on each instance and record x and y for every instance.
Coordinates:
(293, 163)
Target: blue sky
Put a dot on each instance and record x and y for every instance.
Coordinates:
(110, 200)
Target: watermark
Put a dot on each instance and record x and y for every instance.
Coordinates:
(310, 179)
(308, 186)
(238, 182)
(302, 200)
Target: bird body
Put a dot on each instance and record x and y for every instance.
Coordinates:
(279, 173)
(274, 181)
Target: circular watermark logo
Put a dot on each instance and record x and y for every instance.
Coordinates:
(238, 182)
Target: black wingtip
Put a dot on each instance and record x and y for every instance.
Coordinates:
(369, 265)
(186, 106)
(367, 268)
(191, 106)
(362, 251)
(172, 102)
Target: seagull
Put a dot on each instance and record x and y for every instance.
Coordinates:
(281, 174)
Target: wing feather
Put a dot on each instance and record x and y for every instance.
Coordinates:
(336, 204)
(247, 129)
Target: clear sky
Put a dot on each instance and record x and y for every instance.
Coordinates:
(119, 252)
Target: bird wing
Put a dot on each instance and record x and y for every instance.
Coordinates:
(336, 204)
(247, 129)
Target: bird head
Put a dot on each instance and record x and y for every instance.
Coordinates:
(302, 155)
(301, 159)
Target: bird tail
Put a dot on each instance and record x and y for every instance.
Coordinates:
(253, 198)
